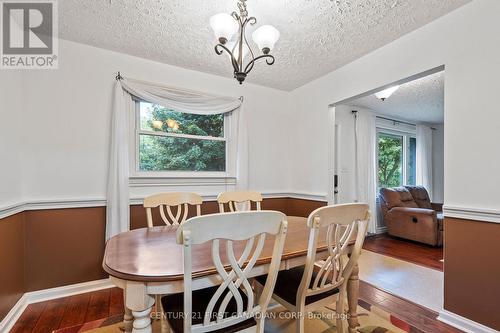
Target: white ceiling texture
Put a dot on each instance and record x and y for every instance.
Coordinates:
(421, 100)
(317, 36)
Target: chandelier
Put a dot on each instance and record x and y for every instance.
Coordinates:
(227, 26)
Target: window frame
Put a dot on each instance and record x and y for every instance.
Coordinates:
(136, 174)
(405, 131)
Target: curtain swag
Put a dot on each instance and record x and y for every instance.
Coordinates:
(123, 108)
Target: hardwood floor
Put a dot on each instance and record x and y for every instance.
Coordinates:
(44, 317)
(417, 253)
(422, 319)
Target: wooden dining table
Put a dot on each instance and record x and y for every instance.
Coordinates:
(147, 262)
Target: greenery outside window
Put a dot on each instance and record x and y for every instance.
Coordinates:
(396, 158)
(176, 144)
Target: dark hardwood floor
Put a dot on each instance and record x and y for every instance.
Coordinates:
(44, 317)
(422, 319)
(417, 253)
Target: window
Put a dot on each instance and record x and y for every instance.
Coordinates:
(396, 153)
(170, 142)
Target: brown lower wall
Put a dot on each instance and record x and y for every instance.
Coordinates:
(472, 270)
(12, 262)
(64, 246)
(43, 249)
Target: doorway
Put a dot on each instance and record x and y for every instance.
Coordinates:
(405, 150)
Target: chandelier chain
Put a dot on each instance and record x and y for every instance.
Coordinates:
(242, 5)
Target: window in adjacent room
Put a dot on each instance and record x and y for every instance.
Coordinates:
(175, 143)
(396, 154)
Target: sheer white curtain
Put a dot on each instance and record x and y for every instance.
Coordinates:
(365, 135)
(117, 212)
(424, 157)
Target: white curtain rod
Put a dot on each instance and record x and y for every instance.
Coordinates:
(402, 122)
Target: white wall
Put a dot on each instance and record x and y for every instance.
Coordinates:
(438, 163)
(12, 97)
(66, 121)
(346, 152)
(467, 42)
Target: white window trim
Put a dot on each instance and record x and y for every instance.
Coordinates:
(407, 133)
(138, 177)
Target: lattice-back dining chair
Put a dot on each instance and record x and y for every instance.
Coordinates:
(181, 201)
(236, 241)
(166, 201)
(239, 200)
(305, 288)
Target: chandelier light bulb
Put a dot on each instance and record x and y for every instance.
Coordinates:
(224, 27)
(265, 37)
(386, 93)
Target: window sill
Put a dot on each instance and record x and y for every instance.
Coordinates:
(195, 180)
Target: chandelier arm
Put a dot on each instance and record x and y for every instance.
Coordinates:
(233, 59)
(269, 61)
(252, 20)
(249, 48)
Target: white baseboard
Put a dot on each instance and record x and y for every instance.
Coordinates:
(463, 323)
(11, 318)
(47, 294)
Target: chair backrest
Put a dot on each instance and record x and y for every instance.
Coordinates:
(239, 200)
(420, 195)
(166, 201)
(343, 223)
(222, 230)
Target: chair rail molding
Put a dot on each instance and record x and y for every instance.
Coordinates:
(468, 213)
(47, 294)
(88, 202)
(463, 323)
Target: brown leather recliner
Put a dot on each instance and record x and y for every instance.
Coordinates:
(409, 213)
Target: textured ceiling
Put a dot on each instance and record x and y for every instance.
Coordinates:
(421, 100)
(317, 36)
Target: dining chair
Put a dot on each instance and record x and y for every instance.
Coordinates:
(239, 200)
(237, 241)
(166, 201)
(314, 285)
(181, 201)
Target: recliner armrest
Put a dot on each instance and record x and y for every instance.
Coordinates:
(411, 210)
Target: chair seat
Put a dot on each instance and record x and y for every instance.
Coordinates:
(288, 282)
(173, 306)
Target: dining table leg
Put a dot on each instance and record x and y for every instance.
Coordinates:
(140, 303)
(352, 299)
(128, 318)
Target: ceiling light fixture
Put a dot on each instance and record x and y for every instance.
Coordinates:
(226, 26)
(386, 93)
